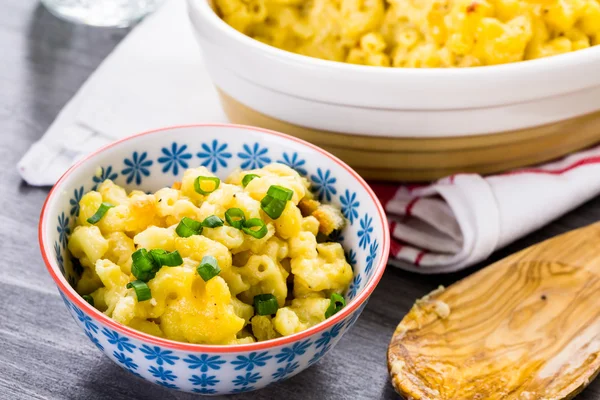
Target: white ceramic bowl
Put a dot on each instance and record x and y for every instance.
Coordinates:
(395, 102)
(156, 159)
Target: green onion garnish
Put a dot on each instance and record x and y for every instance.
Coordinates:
(142, 291)
(254, 223)
(247, 178)
(208, 268)
(188, 227)
(163, 258)
(265, 304)
(272, 207)
(209, 179)
(274, 202)
(104, 207)
(280, 193)
(235, 217)
(212, 222)
(336, 304)
(144, 267)
(89, 299)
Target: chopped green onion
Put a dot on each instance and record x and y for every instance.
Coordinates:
(211, 179)
(212, 222)
(188, 227)
(104, 207)
(253, 223)
(163, 258)
(144, 267)
(272, 207)
(89, 299)
(274, 202)
(142, 291)
(280, 193)
(336, 304)
(235, 217)
(208, 268)
(265, 304)
(247, 178)
(143, 260)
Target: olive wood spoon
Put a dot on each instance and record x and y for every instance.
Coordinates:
(526, 327)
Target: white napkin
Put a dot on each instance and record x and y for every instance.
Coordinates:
(156, 78)
(460, 220)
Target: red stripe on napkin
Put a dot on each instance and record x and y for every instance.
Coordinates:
(409, 206)
(419, 257)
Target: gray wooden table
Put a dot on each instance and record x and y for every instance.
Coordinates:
(43, 355)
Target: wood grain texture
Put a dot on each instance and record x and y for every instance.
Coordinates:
(411, 159)
(43, 354)
(526, 327)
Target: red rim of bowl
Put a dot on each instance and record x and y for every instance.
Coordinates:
(65, 288)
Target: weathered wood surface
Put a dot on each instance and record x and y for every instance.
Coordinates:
(43, 355)
(526, 327)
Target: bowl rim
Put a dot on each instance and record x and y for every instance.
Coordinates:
(65, 287)
(557, 61)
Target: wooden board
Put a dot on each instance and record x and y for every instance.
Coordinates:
(414, 159)
(526, 327)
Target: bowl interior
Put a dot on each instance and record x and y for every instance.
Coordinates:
(156, 159)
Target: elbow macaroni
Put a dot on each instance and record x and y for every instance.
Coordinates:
(287, 262)
(428, 33)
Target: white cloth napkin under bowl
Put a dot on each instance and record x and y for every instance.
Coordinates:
(156, 78)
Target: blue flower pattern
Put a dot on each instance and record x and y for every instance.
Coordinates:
(323, 184)
(319, 354)
(122, 342)
(204, 380)
(105, 173)
(174, 158)
(354, 287)
(326, 337)
(214, 155)
(166, 384)
(246, 380)
(284, 372)
(162, 374)
(125, 360)
(254, 156)
(364, 233)
(161, 356)
(253, 360)
(94, 340)
(204, 362)
(350, 205)
(294, 162)
(63, 229)
(371, 256)
(243, 389)
(288, 354)
(137, 167)
(74, 201)
(85, 320)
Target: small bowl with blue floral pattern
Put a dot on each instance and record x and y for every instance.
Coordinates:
(152, 160)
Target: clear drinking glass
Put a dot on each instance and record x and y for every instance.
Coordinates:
(119, 13)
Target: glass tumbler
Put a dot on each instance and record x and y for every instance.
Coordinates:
(116, 13)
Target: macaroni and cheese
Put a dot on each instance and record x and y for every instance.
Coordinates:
(418, 33)
(212, 262)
